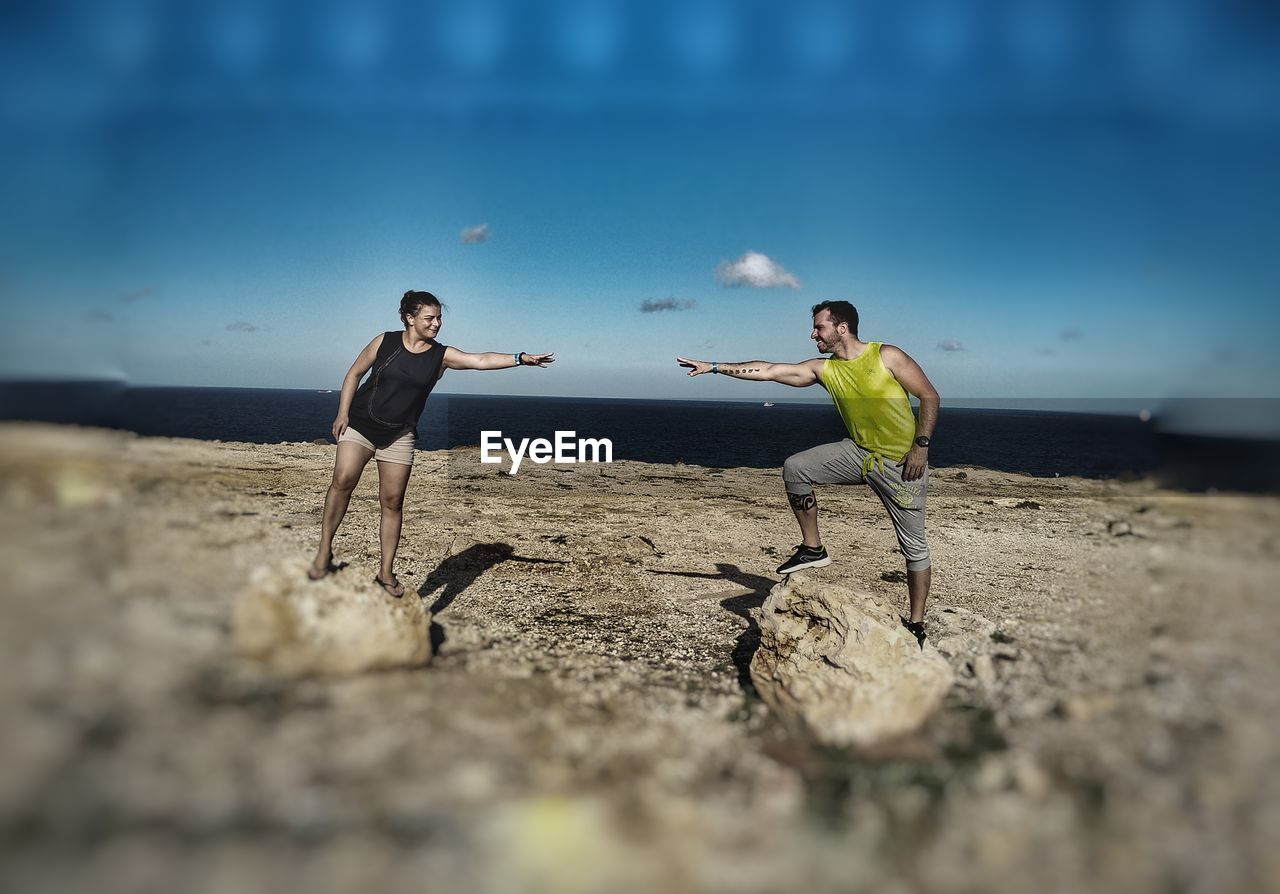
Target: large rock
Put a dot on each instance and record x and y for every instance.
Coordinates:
(838, 665)
(342, 624)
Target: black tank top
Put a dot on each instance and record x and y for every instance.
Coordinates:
(390, 400)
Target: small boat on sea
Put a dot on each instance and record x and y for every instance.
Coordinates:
(768, 403)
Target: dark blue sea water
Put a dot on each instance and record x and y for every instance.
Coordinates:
(708, 433)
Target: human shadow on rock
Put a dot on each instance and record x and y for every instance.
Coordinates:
(749, 640)
(459, 571)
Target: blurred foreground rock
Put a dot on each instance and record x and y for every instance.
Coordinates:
(838, 665)
(333, 626)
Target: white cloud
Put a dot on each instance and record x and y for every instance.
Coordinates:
(950, 345)
(476, 235)
(756, 270)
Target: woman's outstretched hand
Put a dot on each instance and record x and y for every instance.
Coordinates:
(542, 360)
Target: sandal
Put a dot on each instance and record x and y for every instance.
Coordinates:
(329, 569)
(916, 629)
(395, 589)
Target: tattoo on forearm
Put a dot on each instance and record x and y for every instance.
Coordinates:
(738, 370)
(802, 502)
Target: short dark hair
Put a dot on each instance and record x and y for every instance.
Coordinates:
(413, 301)
(841, 312)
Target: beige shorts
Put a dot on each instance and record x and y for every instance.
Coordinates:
(398, 451)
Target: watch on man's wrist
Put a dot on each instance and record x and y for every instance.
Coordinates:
(922, 441)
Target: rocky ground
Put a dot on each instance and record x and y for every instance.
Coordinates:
(588, 721)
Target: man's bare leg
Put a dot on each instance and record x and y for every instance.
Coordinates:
(393, 480)
(918, 591)
(805, 507)
(347, 468)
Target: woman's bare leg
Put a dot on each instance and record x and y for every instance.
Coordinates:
(347, 468)
(393, 480)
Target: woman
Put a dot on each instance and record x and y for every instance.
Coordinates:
(379, 420)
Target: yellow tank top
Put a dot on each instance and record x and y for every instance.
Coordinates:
(874, 407)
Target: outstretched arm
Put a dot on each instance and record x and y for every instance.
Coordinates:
(798, 375)
(455, 359)
(912, 378)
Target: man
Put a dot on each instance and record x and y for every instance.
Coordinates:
(886, 448)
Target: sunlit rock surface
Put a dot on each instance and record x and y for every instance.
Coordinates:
(838, 665)
(336, 625)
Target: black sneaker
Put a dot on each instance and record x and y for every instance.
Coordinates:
(916, 629)
(805, 557)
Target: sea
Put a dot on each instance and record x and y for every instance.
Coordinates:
(1113, 441)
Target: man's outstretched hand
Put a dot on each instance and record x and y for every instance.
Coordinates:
(695, 367)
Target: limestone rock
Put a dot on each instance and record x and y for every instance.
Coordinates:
(961, 634)
(335, 626)
(838, 665)
(984, 669)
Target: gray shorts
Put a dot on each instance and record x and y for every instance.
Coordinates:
(844, 462)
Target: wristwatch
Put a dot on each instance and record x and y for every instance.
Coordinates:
(922, 441)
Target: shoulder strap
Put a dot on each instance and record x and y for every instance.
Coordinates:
(391, 345)
(390, 341)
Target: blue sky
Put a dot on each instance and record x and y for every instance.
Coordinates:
(1038, 199)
